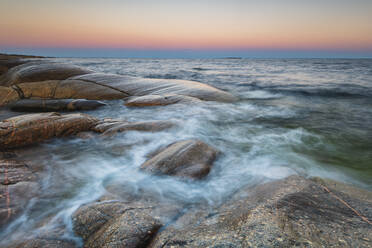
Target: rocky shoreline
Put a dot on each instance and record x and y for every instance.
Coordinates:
(295, 211)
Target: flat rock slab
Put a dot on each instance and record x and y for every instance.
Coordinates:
(111, 126)
(39, 105)
(293, 212)
(40, 71)
(32, 128)
(65, 81)
(159, 100)
(188, 159)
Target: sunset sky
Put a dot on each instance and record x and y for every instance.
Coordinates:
(187, 28)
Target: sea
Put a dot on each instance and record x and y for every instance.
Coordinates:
(310, 117)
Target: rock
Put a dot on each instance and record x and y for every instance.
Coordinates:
(110, 126)
(43, 79)
(45, 243)
(8, 61)
(188, 158)
(291, 212)
(32, 128)
(134, 86)
(7, 95)
(159, 100)
(17, 186)
(39, 105)
(40, 71)
(115, 224)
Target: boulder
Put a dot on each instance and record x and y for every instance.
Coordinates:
(112, 126)
(134, 86)
(43, 79)
(17, 186)
(32, 128)
(159, 100)
(293, 212)
(39, 105)
(7, 95)
(40, 71)
(115, 224)
(188, 159)
(8, 61)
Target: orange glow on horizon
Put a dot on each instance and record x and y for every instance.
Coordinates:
(168, 27)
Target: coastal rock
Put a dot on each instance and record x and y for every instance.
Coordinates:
(64, 81)
(112, 126)
(159, 100)
(45, 243)
(291, 212)
(40, 71)
(115, 224)
(188, 158)
(8, 61)
(17, 186)
(7, 95)
(134, 86)
(32, 128)
(39, 105)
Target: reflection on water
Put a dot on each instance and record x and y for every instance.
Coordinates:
(310, 117)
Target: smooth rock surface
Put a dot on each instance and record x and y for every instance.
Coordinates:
(159, 100)
(64, 81)
(133, 86)
(112, 126)
(32, 128)
(293, 212)
(188, 158)
(40, 71)
(39, 105)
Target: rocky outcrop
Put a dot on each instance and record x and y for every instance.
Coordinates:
(112, 126)
(47, 80)
(159, 100)
(8, 61)
(38, 105)
(32, 128)
(18, 184)
(115, 224)
(188, 159)
(294, 212)
(7, 95)
(40, 71)
(45, 243)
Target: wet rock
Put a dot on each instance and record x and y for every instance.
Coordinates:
(112, 126)
(115, 224)
(32, 128)
(285, 213)
(188, 158)
(159, 100)
(39, 105)
(17, 186)
(7, 95)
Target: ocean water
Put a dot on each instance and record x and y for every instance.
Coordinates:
(311, 117)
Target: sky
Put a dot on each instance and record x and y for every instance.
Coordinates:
(187, 28)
